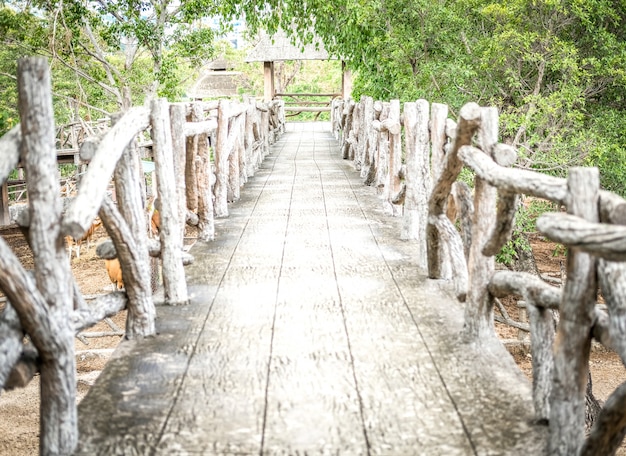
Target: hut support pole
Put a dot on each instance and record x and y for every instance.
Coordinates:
(268, 77)
(346, 81)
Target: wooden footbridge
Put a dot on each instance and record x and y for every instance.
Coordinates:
(311, 330)
(318, 315)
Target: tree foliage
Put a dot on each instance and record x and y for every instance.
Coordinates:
(553, 67)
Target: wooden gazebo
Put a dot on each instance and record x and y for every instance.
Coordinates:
(278, 47)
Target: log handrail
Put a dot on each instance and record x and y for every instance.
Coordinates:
(48, 305)
(593, 229)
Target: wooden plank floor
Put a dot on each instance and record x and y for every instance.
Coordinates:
(311, 331)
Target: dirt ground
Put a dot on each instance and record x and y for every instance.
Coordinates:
(19, 409)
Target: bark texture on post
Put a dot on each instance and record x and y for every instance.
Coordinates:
(203, 178)
(191, 147)
(141, 315)
(438, 116)
(572, 347)
(479, 308)
(94, 182)
(469, 121)
(140, 320)
(221, 160)
(179, 153)
(174, 283)
(417, 178)
(58, 418)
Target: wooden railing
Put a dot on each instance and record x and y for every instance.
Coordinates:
(295, 104)
(426, 192)
(47, 305)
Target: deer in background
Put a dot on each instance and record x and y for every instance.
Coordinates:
(115, 272)
(75, 245)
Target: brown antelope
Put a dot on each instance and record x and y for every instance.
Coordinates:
(75, 245)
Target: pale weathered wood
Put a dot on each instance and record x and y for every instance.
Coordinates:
(98, 309)
(241, 145)
(438, 116)
(542, 337)
(609, 429)
(234, 150)
(194, 115)
(392, 181)
(382, 151)
(94, 182)
(504, 154)
(251, 160)
(59, 431)
(514, 180)
(348, 112)
(612, 208)
(128, 175)
(612, 278)
(310, 332)
(24, 370)
(479, 308)
(174, 283)
(540, 299)
(571, 350)
(417, 179)
(179, 153)
(200, 127)
(606, 241)
(204, 176)
(451, 237)
(502, 231)
(469, 121)
(365, 136)
(464, 213)
(10, 144)
(529, 286)
(11, 335)
(610, 426)
(140, 320)
(221, 160)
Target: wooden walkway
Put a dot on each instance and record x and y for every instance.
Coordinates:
(311, 332)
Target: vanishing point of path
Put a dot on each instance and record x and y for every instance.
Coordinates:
(311, 331)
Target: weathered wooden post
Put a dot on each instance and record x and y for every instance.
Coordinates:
(392, 182)
(234, 184)
(241, 146)
(417, 179)
(179, 150)
(382, 149)
(469, 121)
(221, 160)
(439, 115)
(348, 114)
(479, 307)
(573, 343)
(251, 160)
(191, 185)
(174, 282)
(204, 177)
(53, 335)
(364, 149)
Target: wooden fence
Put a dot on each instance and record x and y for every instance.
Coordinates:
(46, 305)
(426, 192)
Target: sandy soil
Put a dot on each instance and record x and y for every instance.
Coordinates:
(19, 409)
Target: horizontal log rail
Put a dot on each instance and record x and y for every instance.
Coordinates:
(460, 234)
(333, 95)
(47, 305)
